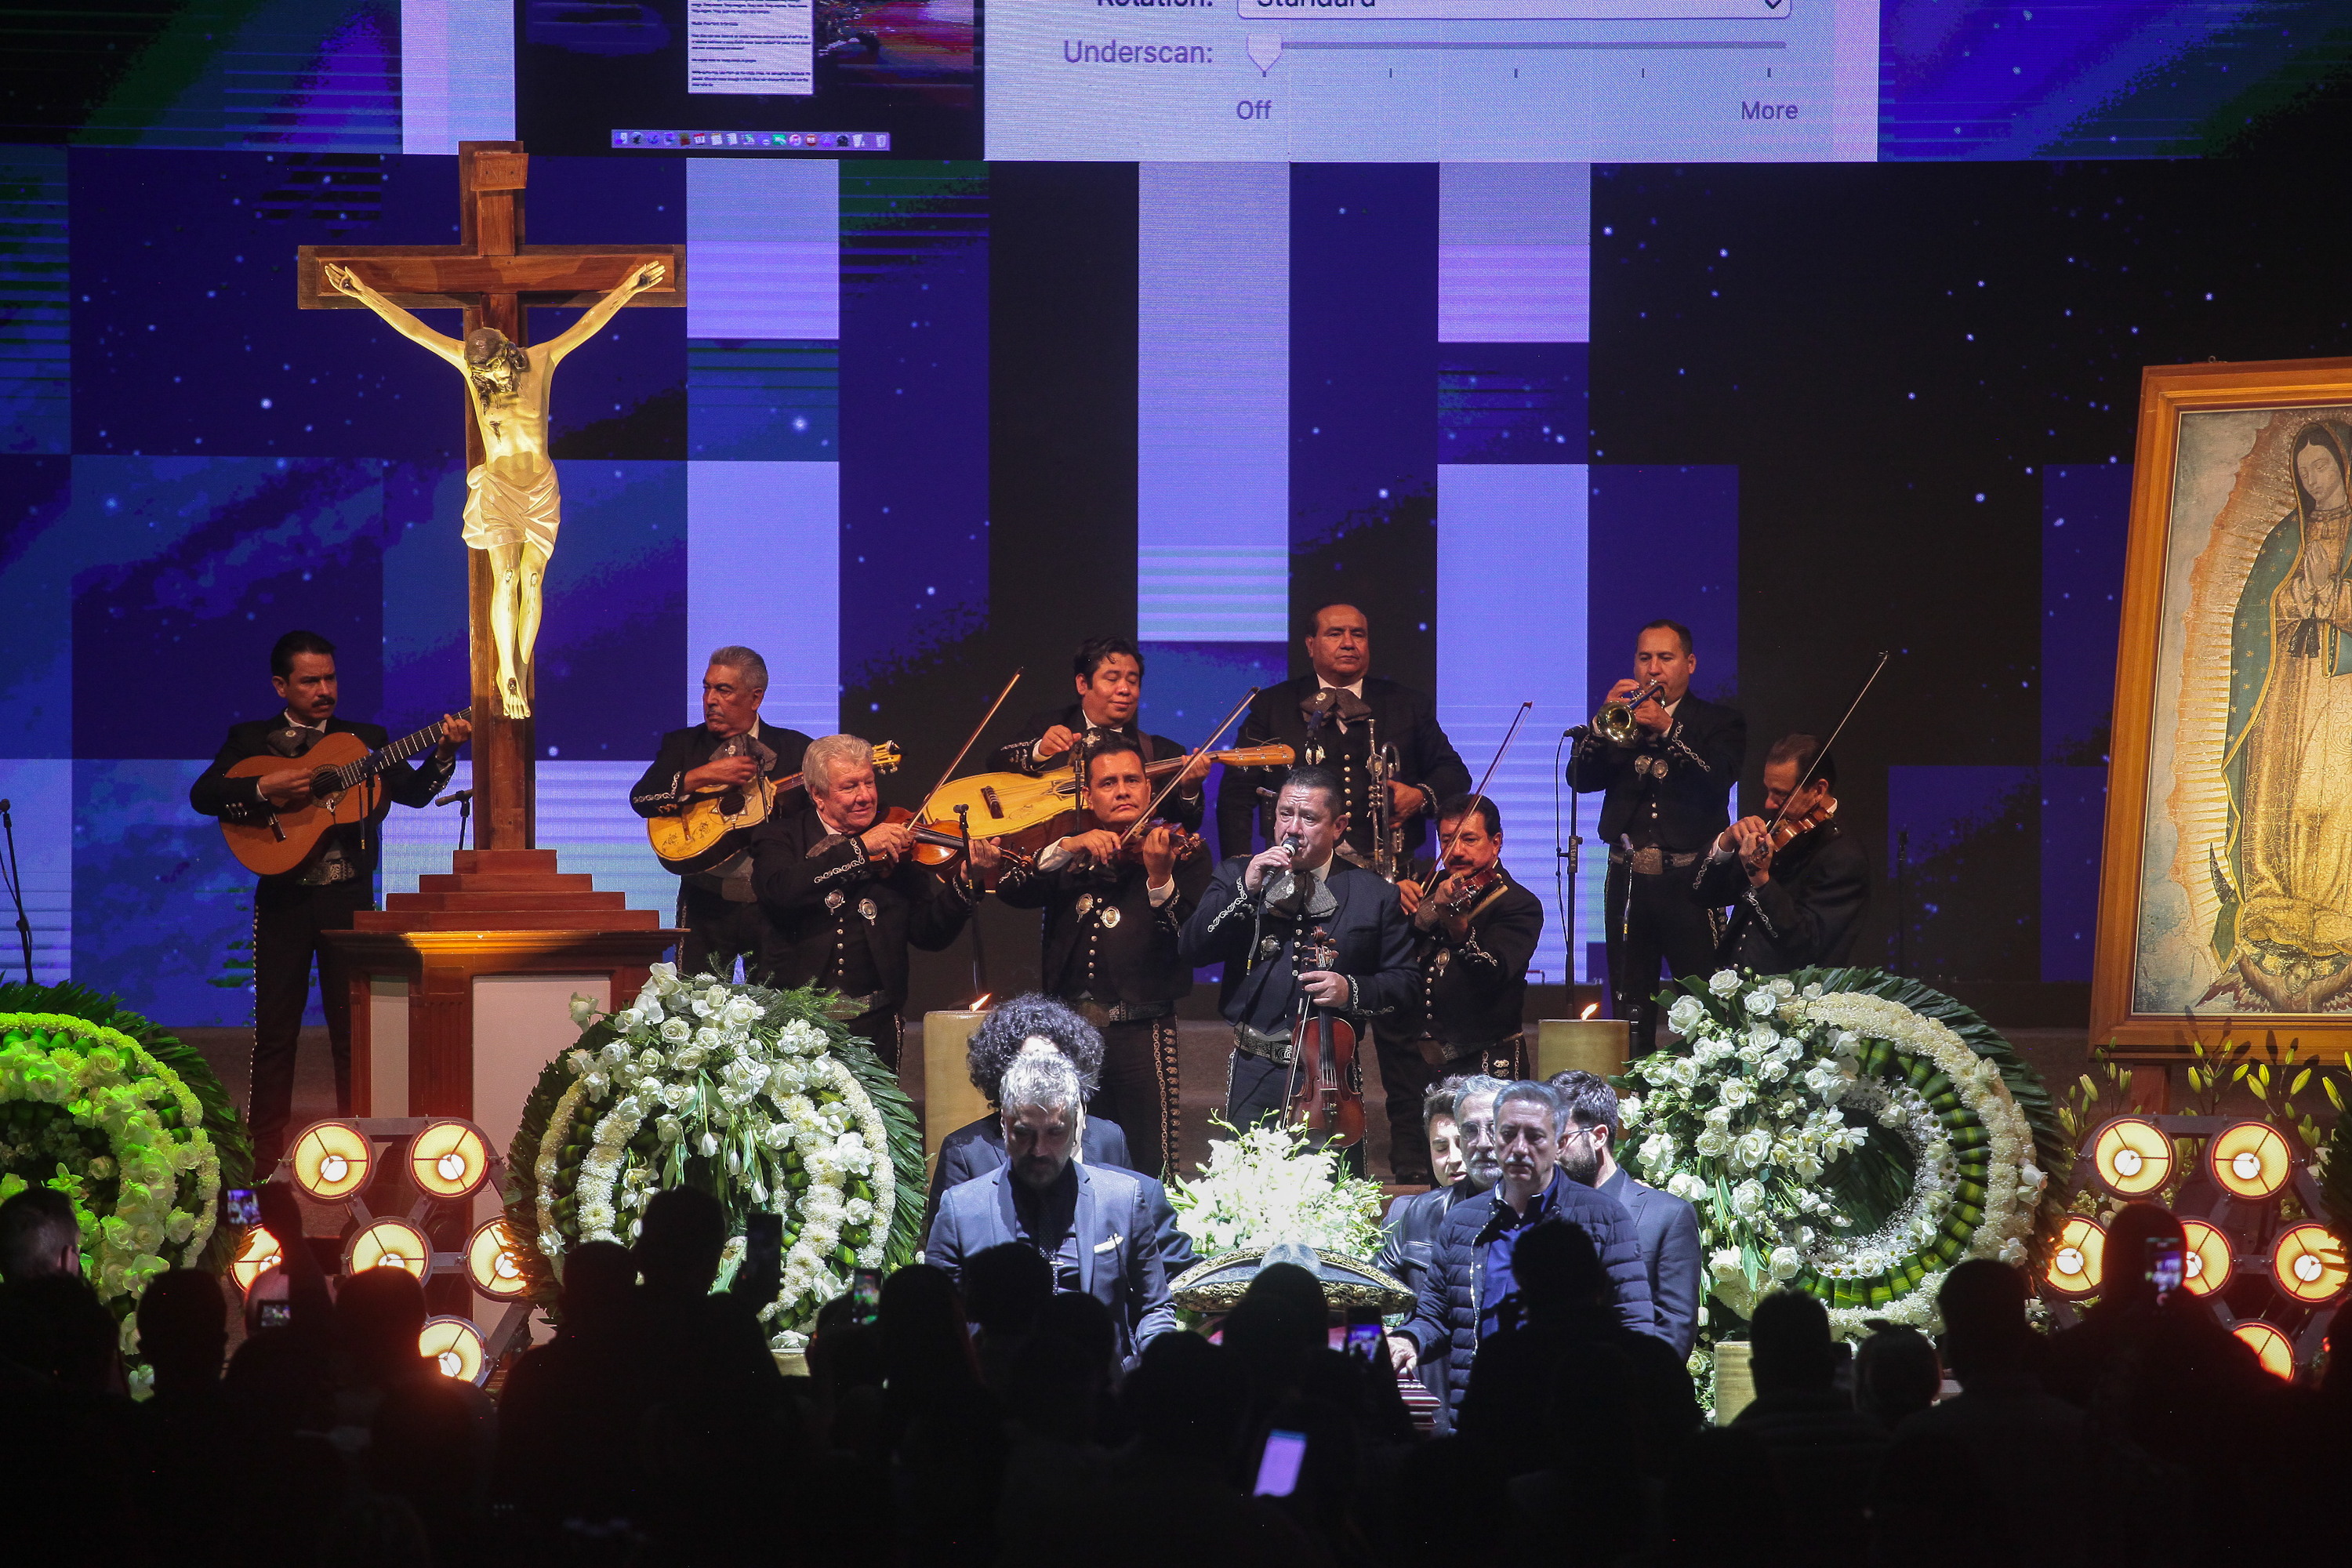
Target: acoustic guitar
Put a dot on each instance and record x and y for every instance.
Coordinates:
(1030, 812)
(717, 825)
(340, 763)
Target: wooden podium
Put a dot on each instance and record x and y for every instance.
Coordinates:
(461, 991)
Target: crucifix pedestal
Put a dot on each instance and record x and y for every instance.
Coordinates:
(460, 990)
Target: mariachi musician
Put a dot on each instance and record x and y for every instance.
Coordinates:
(845, 896)
(1258, 919)
(1115, 908)
(730, 747)
(1474, 933)
(1333, 717)
(1108, 673)
(1669, 766)
(1800, 903)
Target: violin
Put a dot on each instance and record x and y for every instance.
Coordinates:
(1788, 830)
(1327, 1093)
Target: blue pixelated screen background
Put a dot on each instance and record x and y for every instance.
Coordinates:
(939, 411)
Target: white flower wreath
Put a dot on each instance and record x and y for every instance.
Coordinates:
(1763, 1120)
(762, 1102)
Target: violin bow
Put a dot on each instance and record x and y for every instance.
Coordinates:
(1437, 869)
(1810, 767)
(1170, 788)
(969, 742)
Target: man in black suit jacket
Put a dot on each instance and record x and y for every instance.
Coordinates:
(845, 896)
(1113, 921)
(1474, 972)
(1665, 1228)
(1253, 919)
(292, 910)
(1337, 732)
(730, 747)
(1802, 904)
(1669, 793)
(1109, 674)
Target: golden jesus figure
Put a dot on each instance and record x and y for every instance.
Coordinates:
(512, 504)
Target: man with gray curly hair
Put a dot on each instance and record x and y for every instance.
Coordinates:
(1029, 1024)
(1091, 1223)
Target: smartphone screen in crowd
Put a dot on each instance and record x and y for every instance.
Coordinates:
(2167, 1266)
(1365, 1339)
(241, 1206)
(865, 1294)
(1278, 1469)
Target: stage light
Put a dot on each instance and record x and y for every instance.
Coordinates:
(455, 1346)
(2207, 1263)
(257, 1257)
(331, 1160)
(2270, 1347)
(449, 1159)
(389, 1243)
(2132, 1156)
(2307, 1262)
(2077, 1258)
(491, 1262)
(2249, 1160)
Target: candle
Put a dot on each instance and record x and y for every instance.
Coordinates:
(949, 1099)
(1735, 1382)
(1581, 1045)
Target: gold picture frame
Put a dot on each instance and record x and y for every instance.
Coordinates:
(2225, 892)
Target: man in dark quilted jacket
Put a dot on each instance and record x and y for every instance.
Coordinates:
(1470, 1289)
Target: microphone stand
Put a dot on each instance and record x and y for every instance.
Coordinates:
(15, 877)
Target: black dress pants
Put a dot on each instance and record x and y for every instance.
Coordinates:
(287, 922)
(1139, 1090)
(1664, 922)
(718, 932)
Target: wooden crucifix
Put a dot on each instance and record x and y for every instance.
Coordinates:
(511, 507)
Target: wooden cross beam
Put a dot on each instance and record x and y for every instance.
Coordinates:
(493, 277)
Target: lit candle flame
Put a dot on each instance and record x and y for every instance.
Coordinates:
(980, 1002)
(1590, 1009)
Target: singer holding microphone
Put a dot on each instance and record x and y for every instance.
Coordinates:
(1252, 917)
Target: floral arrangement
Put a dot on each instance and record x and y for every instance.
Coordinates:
(1274, 1184)
(759, 1097)
(1845, 1132)
(127, 1123)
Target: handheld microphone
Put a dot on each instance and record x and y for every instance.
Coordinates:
(453, 796)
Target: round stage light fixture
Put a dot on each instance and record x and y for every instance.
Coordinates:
(2270, 1347)
(2249, 1160)
(449, 1159)
(493, 1264)
(2208, 1260)
(2307, 1262)
(2077, 1258)
(256, 1257)
(332, 1160)
(389, 1244)
(2132, 1156)
(455, 1346)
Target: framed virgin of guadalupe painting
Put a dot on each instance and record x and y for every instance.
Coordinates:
(2225, 898)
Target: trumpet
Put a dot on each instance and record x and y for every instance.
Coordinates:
(1614, 723)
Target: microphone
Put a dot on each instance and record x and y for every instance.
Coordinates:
(1286, 892)
(453, 796)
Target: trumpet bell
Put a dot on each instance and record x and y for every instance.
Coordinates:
(1614, 723)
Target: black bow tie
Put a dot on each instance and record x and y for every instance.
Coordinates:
(1332, 703)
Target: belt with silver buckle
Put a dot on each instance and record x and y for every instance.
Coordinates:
(1275, 1048)
(1096, 1013)
(1651, 861)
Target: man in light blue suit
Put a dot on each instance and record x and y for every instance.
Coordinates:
(1665, 1227)
(1092, 1223)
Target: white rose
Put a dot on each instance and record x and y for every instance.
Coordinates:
(1846, 1043)
(1723, 981)
(1747, 1199)
(1753, 1148)
(1762, 1003)
(1735, 1093)
(1772, 1070)
(1629, 1110)
(1725, 1264)
(1783, 987)
(1685, 1186)
(1684, 1014)
(1657, 1151)
(1785, 1263)
(1714, 1144)
(677, 1031)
